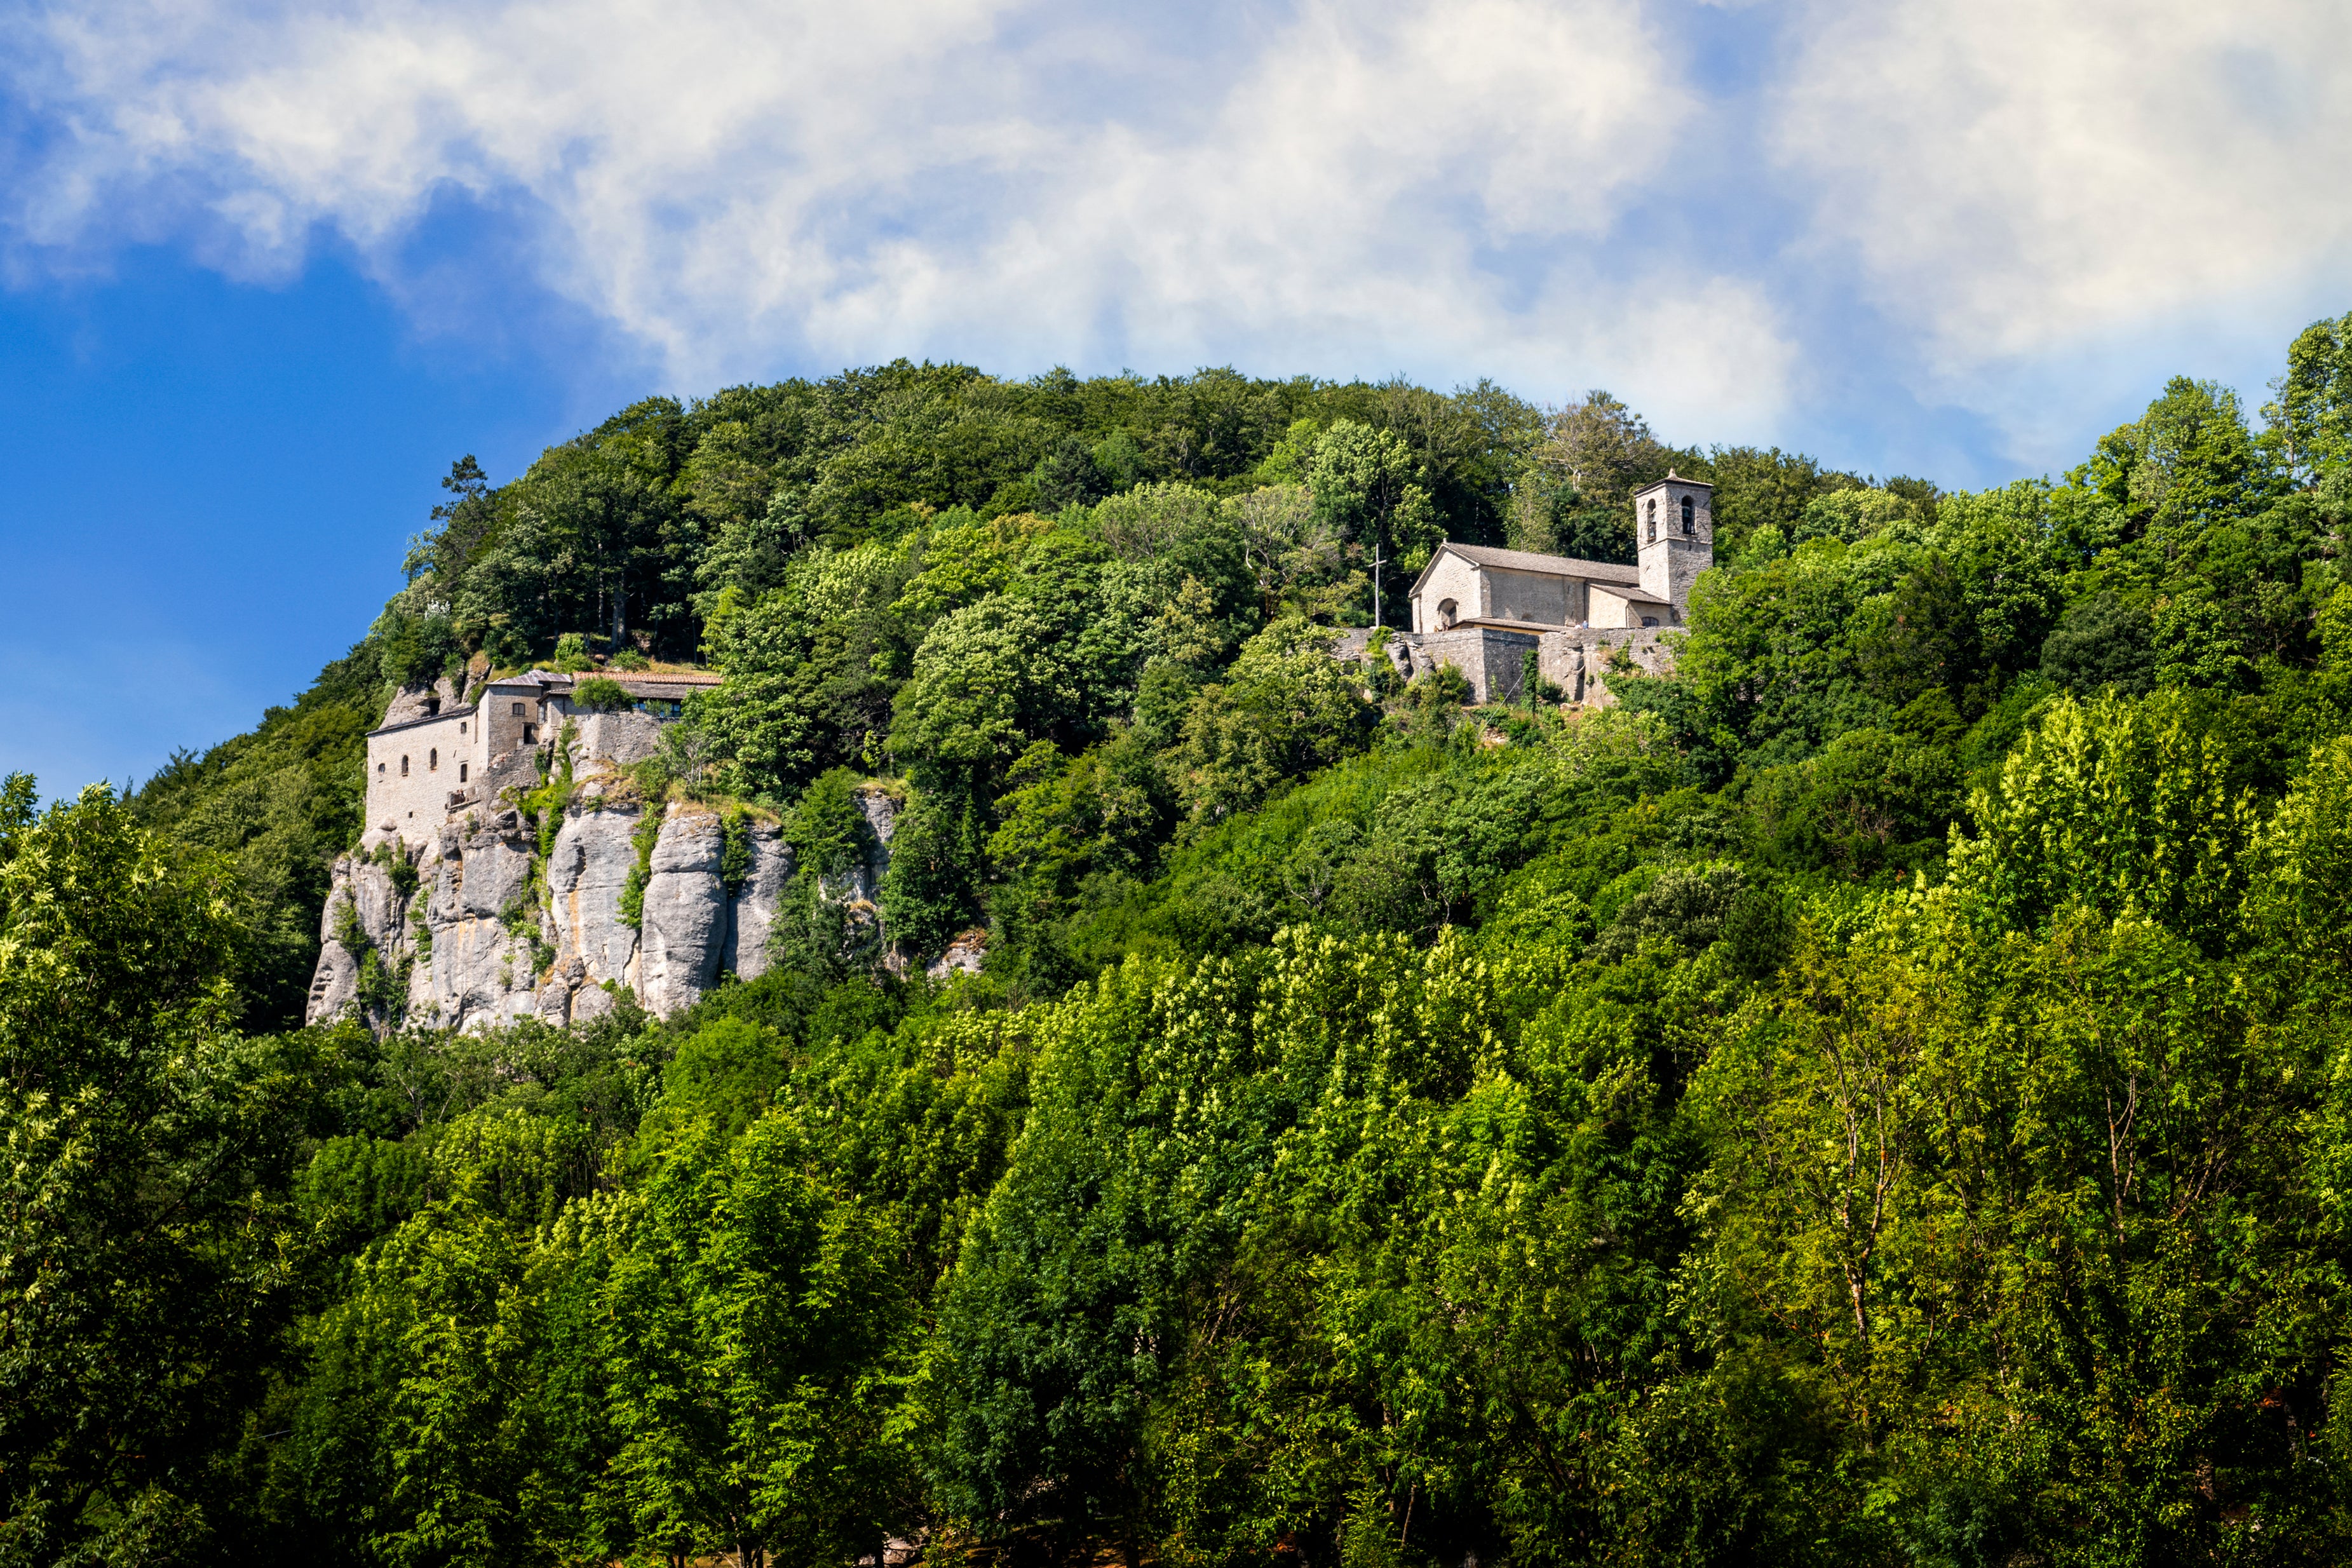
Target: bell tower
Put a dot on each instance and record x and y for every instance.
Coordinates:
(1673, 528)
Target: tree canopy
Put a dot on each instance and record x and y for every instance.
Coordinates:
(1877, 1094)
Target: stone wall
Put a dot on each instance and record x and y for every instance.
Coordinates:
(413, 805)
(1451, 577)
(1491, 659)
(1539, 597)
(1575, 658)
(621, 737)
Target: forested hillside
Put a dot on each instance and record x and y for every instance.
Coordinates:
(1880, 1094)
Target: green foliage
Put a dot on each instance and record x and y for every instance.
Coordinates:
(827, 828)
(2099, 644)
(2120, 807)
(1877, 1094)
(734, 850)
(1369, 489)
(1285, 710)
(147, 1253)
(278, 805)
(642, 839)
(933, 889)
(597, 694)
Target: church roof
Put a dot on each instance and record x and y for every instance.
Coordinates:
(1674, 479)
(653, 683)
(442, 716)
(1528, 561)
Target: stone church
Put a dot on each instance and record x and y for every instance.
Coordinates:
(1483, 610)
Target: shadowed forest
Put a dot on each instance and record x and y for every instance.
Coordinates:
(1879, 1094)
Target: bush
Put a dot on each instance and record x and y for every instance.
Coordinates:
(600, 695)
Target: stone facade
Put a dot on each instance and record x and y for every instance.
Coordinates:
(436, 757)
(1482, 610)
(1493, 659)
(1674, 534)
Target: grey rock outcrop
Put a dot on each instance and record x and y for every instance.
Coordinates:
(362, 903)
(479, 963)
(685, 925)
(751, 913)
(416, 702)
(586, 872)
(479, 968)
(964, 955)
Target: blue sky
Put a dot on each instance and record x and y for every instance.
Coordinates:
(266, 270)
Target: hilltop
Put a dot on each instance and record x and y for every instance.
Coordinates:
(959, 988)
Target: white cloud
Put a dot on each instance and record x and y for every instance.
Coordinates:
(2014, 177)
(740, 185)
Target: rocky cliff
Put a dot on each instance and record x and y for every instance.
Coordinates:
(474, 929)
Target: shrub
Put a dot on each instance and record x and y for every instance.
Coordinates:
(599, 695)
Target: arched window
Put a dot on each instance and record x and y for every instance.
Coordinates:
(403, 767)
(1651, 507)
(433, 759)
(1690, 507)
(1445, 611)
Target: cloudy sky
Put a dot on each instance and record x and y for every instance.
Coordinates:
(266, 270)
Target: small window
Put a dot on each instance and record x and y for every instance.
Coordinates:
(518, 710)
(461, 772)
(1651, 514)
(461, 726)
(379, 769)
(1690, 509)
(403, 767)
(433, 759)
(1649, 620)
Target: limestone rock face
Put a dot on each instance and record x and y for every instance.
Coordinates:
(416, 702)
(964, 955)
(881, 809)
(751, 914)
(585, 873)
(497, 868)
(478, 972)
(365, 892)
(478, 963)
(685, 924)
